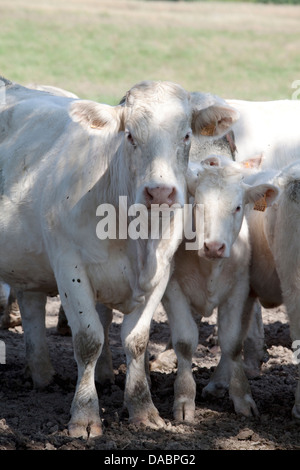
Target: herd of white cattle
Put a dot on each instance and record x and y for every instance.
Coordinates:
(61, 157)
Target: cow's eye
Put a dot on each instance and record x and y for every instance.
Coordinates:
(187, 137)
(238, 208)
(130, 139)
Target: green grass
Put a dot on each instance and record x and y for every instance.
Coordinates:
(99, 49)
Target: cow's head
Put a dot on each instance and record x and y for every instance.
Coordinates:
(155, 121)
(217, 184)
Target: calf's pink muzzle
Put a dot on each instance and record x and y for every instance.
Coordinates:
(214, 249)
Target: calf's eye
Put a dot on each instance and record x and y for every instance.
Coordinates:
(187, 138)
(238, 208)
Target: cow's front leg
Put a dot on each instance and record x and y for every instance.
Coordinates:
(32, 306)
(135, 337)
(184, 332)
(230, 370)
(87, 333)
(104, 369)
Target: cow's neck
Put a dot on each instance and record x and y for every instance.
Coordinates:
(109, 179)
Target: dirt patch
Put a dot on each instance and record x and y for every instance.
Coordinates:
(37, 420)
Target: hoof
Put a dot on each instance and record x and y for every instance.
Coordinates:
(85, 431)
(152, 420)
(184, 413)
(217, 390)
(245, 406)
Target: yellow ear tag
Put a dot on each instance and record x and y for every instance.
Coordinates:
(261, 204)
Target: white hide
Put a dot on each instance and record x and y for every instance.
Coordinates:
(275, 263)
(271, 127)
(60, 158)
(201, 282)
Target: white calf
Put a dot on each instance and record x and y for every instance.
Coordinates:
(217, 275)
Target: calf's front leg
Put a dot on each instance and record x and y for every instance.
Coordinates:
(184, 332)
(232, 329)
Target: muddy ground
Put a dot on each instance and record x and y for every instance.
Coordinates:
(37, 420)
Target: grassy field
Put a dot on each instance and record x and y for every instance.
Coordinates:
(99, 48)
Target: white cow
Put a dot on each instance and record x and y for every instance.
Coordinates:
(217, 275)
(275, 261)
(61, 159)
(270, 127)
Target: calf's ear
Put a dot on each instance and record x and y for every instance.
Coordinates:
(262, 195)
(92, 115)
(212, 116)
(212, 160)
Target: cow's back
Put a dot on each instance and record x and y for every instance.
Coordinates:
(271, 127)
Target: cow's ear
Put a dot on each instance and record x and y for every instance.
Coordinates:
(253, 162)
(212, 116)
(97, 116)
(262, 195)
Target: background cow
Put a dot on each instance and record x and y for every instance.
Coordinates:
(270, 127)
(275, 263)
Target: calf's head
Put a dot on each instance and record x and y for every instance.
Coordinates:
(154, 124)
(217, 184)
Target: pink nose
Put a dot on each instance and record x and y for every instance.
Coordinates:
(214, 249)
(160, 195)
